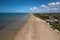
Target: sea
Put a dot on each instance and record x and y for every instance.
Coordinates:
(7, 18)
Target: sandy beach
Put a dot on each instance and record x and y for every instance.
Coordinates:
(34, 29)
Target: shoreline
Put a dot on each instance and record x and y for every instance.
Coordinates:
(11, 20)
(11, 29)
(5, 24)
(33, 28)
(37, 29)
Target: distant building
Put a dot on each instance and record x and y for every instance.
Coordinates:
(52, 19)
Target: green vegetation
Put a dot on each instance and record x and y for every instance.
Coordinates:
(51, 18)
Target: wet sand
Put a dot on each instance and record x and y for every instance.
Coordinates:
(33, 29)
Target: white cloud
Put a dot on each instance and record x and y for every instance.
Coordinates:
(34, 9)
(43, 6)
(50, 7)
(54, 6)
(58, 3)
(31, 9)
(53, 9)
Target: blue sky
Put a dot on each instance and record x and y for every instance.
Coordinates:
(28, 6)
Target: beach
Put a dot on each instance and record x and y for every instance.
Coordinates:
(37, 29)
(33, 29)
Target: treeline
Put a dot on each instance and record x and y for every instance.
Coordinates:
(50, 16)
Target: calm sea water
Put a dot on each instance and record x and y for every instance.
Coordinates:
(6, 18)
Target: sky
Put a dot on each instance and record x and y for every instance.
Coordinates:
(29, 6)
